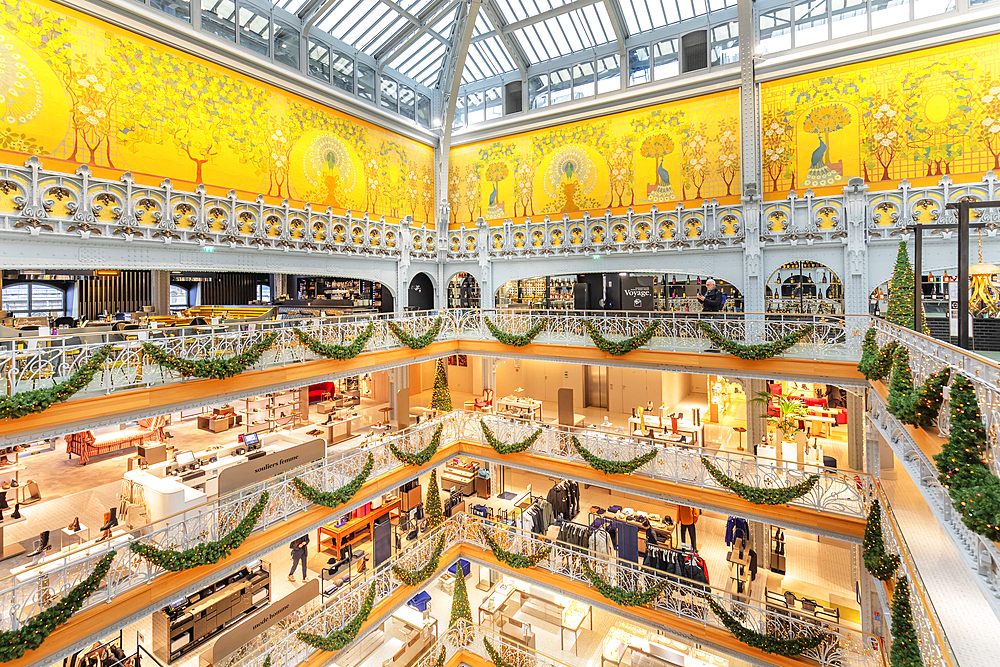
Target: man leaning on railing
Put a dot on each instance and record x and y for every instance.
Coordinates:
(711, 302)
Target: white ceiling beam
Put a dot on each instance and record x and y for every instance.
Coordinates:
(617, 20)
(410, 34)
(509, 41)
(461, 52)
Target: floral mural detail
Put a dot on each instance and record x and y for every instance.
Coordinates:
(83, 91)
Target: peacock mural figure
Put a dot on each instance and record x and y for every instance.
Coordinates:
(822, 121)
(657, 147)
(495, 173)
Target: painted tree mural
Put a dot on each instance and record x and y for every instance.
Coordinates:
(656, 147)
(694, 164)
(883, 137)
(986, 119)
(729, 152)
(779, 148)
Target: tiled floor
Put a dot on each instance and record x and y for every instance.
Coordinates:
(972, 628)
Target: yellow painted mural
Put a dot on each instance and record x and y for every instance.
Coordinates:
(680, 151)
(917, 116)
(76, 91)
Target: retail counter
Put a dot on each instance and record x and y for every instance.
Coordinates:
(167, 493)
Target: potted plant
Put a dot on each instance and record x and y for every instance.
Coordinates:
(782, 412)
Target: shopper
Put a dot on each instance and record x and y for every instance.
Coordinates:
(300, 550)
(713, 298)
(687, 517)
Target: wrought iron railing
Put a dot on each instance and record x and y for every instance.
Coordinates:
(839, 493)
(683, 599)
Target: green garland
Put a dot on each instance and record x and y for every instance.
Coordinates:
(503, 447)
(974, 489)
(495, 656)
(905, 651)
(440, 658)
(623, 597)
(424, 455)
(613, 467)
(765, 643)
(212, 369)
(514, 340)
(203, 554)
(880, 564)
(34, 401)
(415, 342)
(338, 352)
(618, 348)
(761, 496)
(15, 643)
(340, 496)
(417, 577)
(757, 352)
(875, 364)
(516, 561)
(267, 661)
(927, 398)
(338, 639)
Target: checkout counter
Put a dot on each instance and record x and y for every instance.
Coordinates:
(191, 479)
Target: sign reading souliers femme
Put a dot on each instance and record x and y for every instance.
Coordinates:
(274, 463)
(257, 624)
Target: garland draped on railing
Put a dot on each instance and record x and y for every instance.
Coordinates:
(203, 554)
(338, 352)
(756, 352)
(211, 369)
(424, 455)
(974, 489)
(618, 348)
(875, 364)
(761, 496)
(765, 643)
(514, 340)
(502, 447)
(417, 577)
(621, 596)
(612, 467)
(338, 639)
(38, 400)
(880, 564)
(495, 656)
(15, 643)
(516, 561)
(415, 342)
(339, 496)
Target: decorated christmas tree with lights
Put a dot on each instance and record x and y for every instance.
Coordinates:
(900, 309)
(435, 515)
(441, 398)
(974, 489)
(901, 387)
(905, 650)
(460, 610)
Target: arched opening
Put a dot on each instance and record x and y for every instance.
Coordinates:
(625, 290)
(421, 293)
(32, 299)
(463, 291)
(804, 286)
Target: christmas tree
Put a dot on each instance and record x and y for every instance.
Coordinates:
(974, 489)
(901, 387)
(877, 561)
(900, 309)
(875, 364)
(460, 610)
(905, 649)
(928, 398)
(433, 511)
(441, 398)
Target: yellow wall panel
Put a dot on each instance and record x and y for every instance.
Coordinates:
(916, 116)
(77, 90)
(680, 151)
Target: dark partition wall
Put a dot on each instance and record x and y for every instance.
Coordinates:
(126, 292)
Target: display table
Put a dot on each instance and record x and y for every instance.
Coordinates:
(356, 530)
(75, 536)
(460, 472)
(497, 601)
(517, 632)
(339, 429)
(572, 620)
(525, 408)
(411, 619)
(9, 550)
(326, 407)
(695, 434)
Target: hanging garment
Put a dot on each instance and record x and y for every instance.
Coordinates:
(736, 527)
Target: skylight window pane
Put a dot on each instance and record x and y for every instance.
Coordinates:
(389, 95)
(561, 82)
(699, 7)
(459, 120)
(292, 6)
(286, 44)
(319, 62)
(810, 22)
(343, 72)
(889, 12)
(638, 66)
(594, 20)
(849, 17)
(685, 8)
(657, 18)
(406, 101)
(725, 44)
(423, 110)
(925, 8)
(665, 59)
(538, 91)
(366, 82)
(494, 103)
(356, 29)
(255, 31)
(776, 30)
(368, 40)
(476, 108)
(177, 8)
(345, 15)
(219, 18)
(511, 11)
(584, 82)
(609, 74)
(672, 14)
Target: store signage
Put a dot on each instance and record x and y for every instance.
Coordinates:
(953, 308)
(257, 624)
(637, 293)
(251, 472)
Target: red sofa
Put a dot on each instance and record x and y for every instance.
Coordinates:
(316, 391)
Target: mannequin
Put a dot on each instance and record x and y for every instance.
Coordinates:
(687, 517)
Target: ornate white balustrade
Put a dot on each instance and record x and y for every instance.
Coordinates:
(81, 206)
(31, 363)
(843, 494)
(682, 599)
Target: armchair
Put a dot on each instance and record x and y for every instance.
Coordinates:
(485, 404)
